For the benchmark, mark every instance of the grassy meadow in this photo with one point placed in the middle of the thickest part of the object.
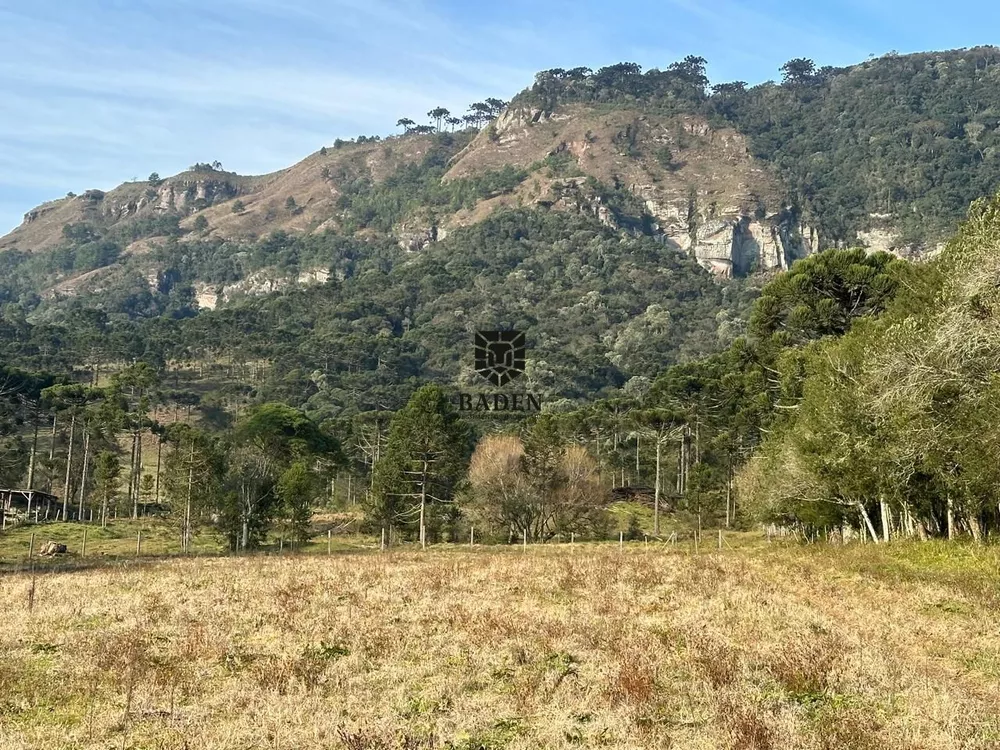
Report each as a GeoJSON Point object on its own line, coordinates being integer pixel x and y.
{"type": "Point", "coordinates": [759, 645]}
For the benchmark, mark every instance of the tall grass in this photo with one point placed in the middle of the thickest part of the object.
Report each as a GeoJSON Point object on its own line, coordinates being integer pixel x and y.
{"type": "Point", "coordinates": [562, 647]}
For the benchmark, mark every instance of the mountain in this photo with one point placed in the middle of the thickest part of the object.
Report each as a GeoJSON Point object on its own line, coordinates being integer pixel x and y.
{"type": "Point", "coordinates": [586, 212]}
{"type": "Point", "coordinates": [703, 191]}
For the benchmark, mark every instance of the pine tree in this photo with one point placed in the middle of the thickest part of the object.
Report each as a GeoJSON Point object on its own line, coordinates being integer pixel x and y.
{"type": "Point", "coordinates": [424, 459]}
{"type": "Point", "coordinates": [297, 489]}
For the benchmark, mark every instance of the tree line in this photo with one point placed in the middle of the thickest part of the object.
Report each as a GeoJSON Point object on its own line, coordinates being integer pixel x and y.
{"type": "Point", "coordinates": [907, 141]}
{"type": "Point", "coordinates": [478, 114]}
{"type": "Point", "coordinates": [860, 399]}
{"type": "Point", "coordinates": [85, 444]}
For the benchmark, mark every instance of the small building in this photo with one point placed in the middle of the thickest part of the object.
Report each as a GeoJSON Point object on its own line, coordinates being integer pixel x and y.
{"type": "Point", "coordinates": [29, 504]}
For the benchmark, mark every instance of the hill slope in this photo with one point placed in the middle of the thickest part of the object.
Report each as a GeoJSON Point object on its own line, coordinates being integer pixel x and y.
{"type": "Point", "coordinates": [581, 200]}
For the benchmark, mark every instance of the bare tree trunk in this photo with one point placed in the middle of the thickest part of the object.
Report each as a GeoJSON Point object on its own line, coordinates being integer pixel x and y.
{"type": "Point", "coordinates": [656, 491]}
{"type": "Point", "coordinates": [52, 446]}
{"type": "Point", "coordinates": [729, 490]}
{"type": "Point", "coordinates": [951, 518]}
{"type": "Point", "coordinates": [884, 510]}
{"type": "Point", "coordinates": [34, 450]}
{"type": "Point", "coordinates": [680, 451]}
{"type": "Point", "coordinates": [868, 521]}
{"type": "Point", "coordinates": [246, 517]}
{"type": "Point", "coordinates": [136, 471]}
{"type": "Point", "coordinates": [637, 480]}
{"type": "Point", "coordinates": [130, 500]}
{"type": "Point", "coordinates": [83, 472]}
{"type": "Point", "coordinates": [69, 464]}
{"type": "Point", "coordinates": [187, 507]}
{"type": "Point", "coordinates": [423, 504]}
{"type": "Point", "coordinates": [975, 528]}
{"type": "Point", "coordinates": [614, 452]}
{"type": "Point", "coordinates": [159, 451]}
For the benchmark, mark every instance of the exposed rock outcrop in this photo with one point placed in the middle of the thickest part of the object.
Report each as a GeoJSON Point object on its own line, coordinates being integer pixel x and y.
{"type": "Point", "coordinates": [265, 281]}
{"type": "Point", "coordinates": [705, 192]}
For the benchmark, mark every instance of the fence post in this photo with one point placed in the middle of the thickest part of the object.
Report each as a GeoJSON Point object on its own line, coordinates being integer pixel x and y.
{"type": "Point", "coordinates": [382, 545]}
{"type": "Point", "coordinates": [621, 540]}
{"type": "Point", "coordinates": [572, 538]}
{"type": "Point", "coordinates": [83, 548]}
{"type": "Point", "coordinates": [329, 541]}
{"type": "Point", "coordinates": [720, 538]}
{"type": "Point", "coordinates": [524, 534]}
{"type": "Point", "coordinates": [138, 543]}
{"type": "Point", "coordinates": [31, 565]}
{"type": "Point", "coordinates": [472, 536]}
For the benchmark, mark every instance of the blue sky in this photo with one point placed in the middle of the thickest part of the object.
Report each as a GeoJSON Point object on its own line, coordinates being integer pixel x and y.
{"type": "Point", "coordinates": [99, 92]}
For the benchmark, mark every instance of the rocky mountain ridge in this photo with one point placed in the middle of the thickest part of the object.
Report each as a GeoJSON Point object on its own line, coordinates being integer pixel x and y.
{"type": "Point", "coordinates": [694, 186]}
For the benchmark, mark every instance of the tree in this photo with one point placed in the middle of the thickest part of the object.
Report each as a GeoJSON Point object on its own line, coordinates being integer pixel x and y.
{"type": "Point", "coordinates": [501, 492]}
{"type": "Point", "coordinates": [661, 426]}
{"type": "Point", "coordinates": [238, 207]}
{"type": "Point", "coordinates": [70, 400]}
{"type": "Point", "coordinates": [424, 460]}
{"type": "Point", "coordinates": [200, 223]}
{"type": "Point", "coordinates": [496, 106]}
{"type": "Point", "coordinates": [135, 388]}
{"type": "Point", "coordinates": [297, 489]}
{"type": "Point", "coordinates": [290, 204]}
{"type": "Point", "coordinates": [481, 112]}
{"type": "Point", "coordinates": [154, 179]}
{"type": "Point", "coordinates": [147, 485]}
{"type": "Point", "coordinates": [405, 123]}
{"type": "Point", "coordinates": [192, 477]}
{"type": "Point", "coordinates": [453, 122]}
{"type": "Point", "coordinates": [823, 294]}
{"type": "Point", "coordinates": [437, 115]}
{"type": "Point", "coordinates": [106, 477]}
{"type": "Point", "coordinates": [265, 444]}
{"type": "Point", "coordinates": [540, 487]}
{"type": "Point", "coordinates": [797, 71]}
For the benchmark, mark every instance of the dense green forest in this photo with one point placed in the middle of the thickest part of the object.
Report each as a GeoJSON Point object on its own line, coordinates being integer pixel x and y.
{"type": "Point", "coordinates": [851, 393]}
{"type": "Point", "coordinates": [893, 427]}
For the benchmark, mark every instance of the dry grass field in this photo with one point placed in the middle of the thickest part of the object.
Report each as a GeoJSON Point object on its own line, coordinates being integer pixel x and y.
{"type": "Point", "coordinates": [762, 646]}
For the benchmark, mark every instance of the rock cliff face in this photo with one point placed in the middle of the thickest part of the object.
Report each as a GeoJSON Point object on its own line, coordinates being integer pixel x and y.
{"type": "Point", "coordinates": [704, 191]}
{"type": "Point", "coordinates": [262, 282]}
{"type": "Point", "coordinates": [741, 245]}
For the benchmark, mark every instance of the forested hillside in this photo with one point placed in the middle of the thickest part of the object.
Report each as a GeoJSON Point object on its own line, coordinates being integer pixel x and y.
{"type": "Point", "coordinates": [901, 141]}
{"type": "Point", "coordinates": [631, 223]}
{"type": "Point", "coordinates": [895, 423]}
